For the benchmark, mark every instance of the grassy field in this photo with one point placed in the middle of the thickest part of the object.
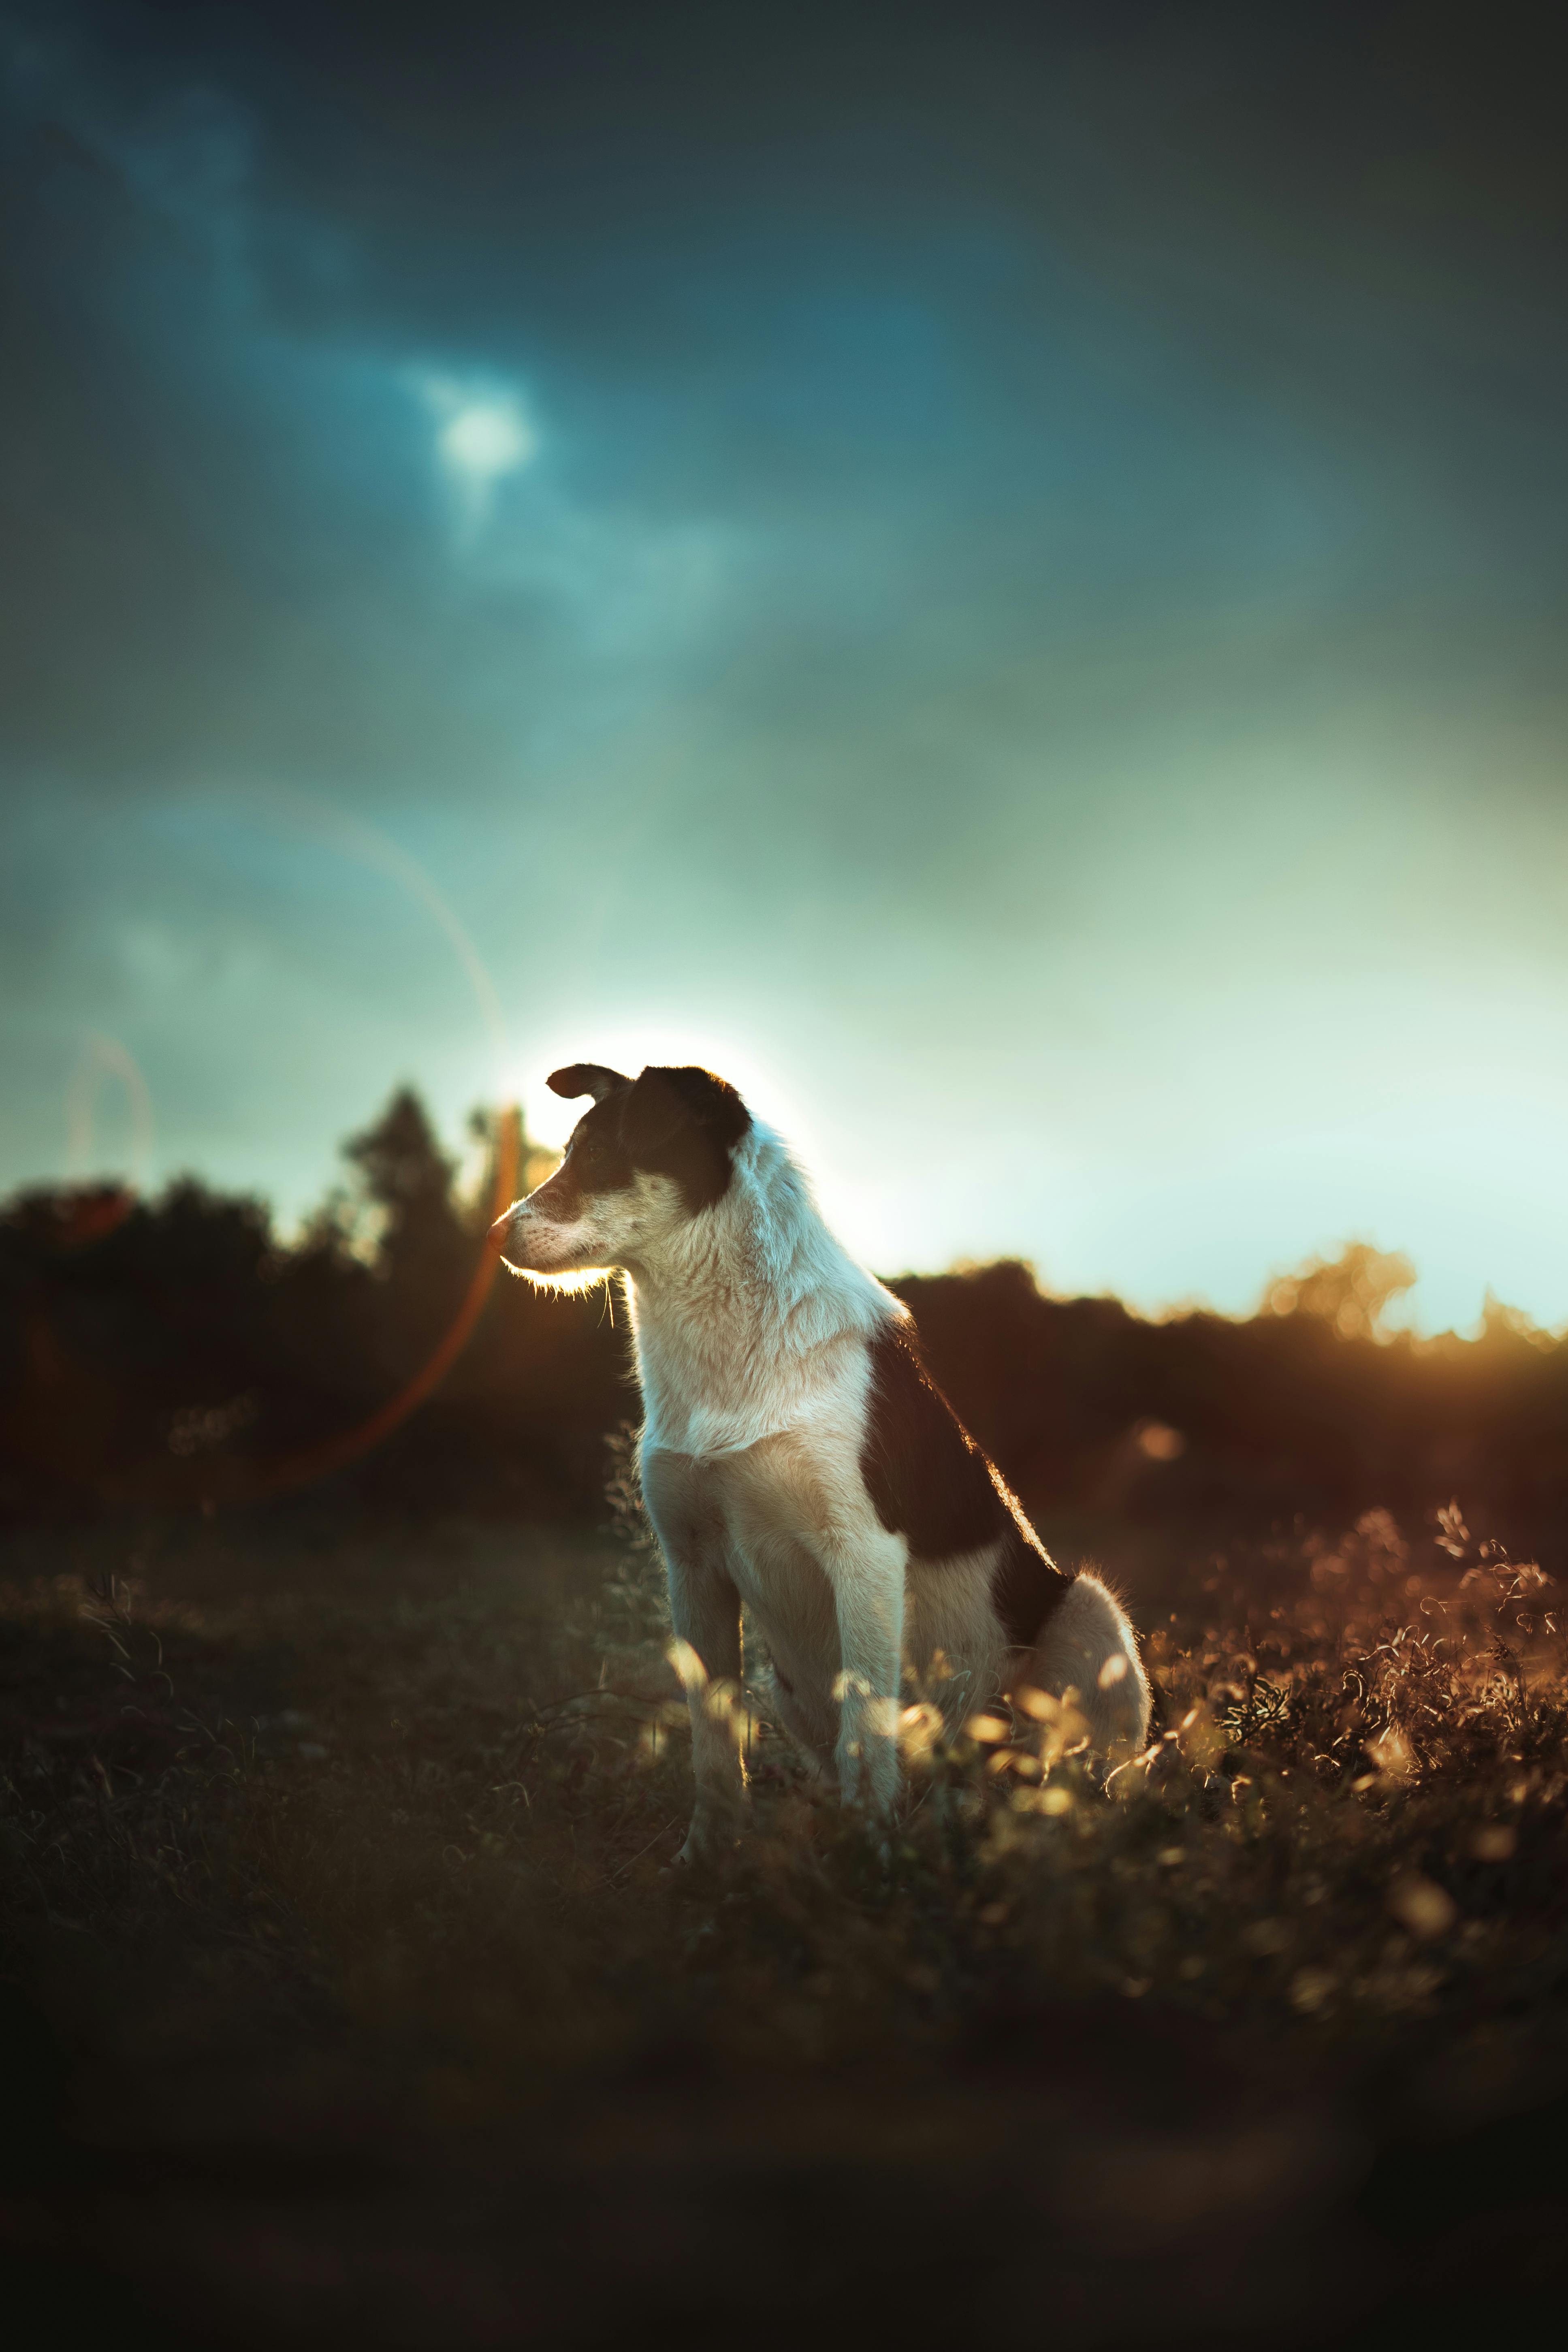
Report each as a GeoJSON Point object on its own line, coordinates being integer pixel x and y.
{"type": "Point", "coordinates": [348, 1996]}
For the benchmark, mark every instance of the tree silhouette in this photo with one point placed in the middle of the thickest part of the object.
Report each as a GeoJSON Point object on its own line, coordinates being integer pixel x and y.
{"type": "Point", "coordinates": [406, 1178]}
{"type": "Point", "coordinates": [167, 1352]}
{"type": "Point", "coordinates": [1351, 1291]}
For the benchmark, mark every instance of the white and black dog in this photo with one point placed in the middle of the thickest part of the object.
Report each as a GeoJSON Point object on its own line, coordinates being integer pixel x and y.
{"type": "Point", "coordinates": [797, 1456]}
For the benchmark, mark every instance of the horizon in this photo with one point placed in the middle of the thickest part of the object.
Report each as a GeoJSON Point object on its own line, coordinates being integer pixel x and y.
{"type": "Point", "coordinates": [469, 1154]}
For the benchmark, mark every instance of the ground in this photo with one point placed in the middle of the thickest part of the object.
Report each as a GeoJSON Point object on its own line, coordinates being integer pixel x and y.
{"type": "Point", "coordinates": [349, 1996]}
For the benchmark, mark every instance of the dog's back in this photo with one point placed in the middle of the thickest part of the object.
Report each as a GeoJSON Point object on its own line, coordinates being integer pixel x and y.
{"type": "Point", "coordinates": [984, 1595]}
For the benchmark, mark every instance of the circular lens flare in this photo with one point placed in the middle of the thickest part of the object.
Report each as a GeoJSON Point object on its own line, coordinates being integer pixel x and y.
{"type": "Point", "coordinates": [103, 1059]}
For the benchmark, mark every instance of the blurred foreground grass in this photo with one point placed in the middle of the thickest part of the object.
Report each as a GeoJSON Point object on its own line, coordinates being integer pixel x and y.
{"type": "Point", "coordinates": [351, 1996]}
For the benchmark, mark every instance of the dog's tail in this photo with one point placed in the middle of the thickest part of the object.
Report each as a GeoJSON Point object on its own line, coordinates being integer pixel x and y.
{"type": "Point", "coordinates": [1086, 1644]}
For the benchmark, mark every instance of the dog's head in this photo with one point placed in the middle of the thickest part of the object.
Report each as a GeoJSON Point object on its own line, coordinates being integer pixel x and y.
{"type": "Point", "coordinates": [653, 1153]}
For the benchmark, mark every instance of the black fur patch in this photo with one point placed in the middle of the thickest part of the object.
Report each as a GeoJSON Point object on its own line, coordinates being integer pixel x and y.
{"type": "Point", "coordinates": [1025, 1589]}
{"type": "Point", "coordinates": [685, 1124]}
{"type": "Point", "coordinates": [924, 1473]}
{"type": "Point", "coordinates": [596, 1161]}
{"type": "Point", "coordinates": [680, 1123]}
{"type": "Point", "coordinates": [930, 1481]}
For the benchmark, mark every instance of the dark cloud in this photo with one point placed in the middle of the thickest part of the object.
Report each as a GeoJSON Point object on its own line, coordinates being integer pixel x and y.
{"type": "Point", "coordinates": [1106, 296]}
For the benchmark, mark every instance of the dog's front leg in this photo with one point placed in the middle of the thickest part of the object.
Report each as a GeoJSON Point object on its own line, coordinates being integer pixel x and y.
{"type": "Point", "coordinates": [705, 1612]}
{"type": "Point", "coordinates": [866, 1572]}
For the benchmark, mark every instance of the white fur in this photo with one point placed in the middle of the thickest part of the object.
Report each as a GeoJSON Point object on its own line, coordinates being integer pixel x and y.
{"type": "Point", "coordinates": [751, 1327]}
{"type": "Point", "coordinates": [1090, 1648]}
{"type": "Point", "coordinates": [747, 1317]}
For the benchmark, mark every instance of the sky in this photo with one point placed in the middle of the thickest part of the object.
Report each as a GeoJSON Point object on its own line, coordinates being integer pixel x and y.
{"type": "Point", "coordinates": [995, 574]}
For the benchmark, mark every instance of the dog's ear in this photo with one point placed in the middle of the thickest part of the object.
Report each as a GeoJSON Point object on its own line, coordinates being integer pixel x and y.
{"type": "Point", "coordinates": [663, 1102]}
{"type": "Point", "coordinates": [585, 1079]}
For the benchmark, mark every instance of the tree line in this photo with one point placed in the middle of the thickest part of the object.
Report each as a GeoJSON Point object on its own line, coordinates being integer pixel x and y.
{"type": "Point", "coordinates": [179, 1353]}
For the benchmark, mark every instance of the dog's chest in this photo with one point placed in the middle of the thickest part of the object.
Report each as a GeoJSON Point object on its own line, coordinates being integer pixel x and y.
{"type": "Point", "coordinates": [725, 1382]}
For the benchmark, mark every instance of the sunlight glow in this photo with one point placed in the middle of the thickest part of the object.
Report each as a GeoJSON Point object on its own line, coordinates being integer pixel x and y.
{"type": "Point", "coordinates": [486, 438]}
{"type": "Point", "coordinates": [567, 1281]}
{"type": "Point", "coordinates": [483, 433]}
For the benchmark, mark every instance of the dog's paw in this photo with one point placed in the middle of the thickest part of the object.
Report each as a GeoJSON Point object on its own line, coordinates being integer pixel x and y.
{"type": "Point", "coordinates": [711, 1840]}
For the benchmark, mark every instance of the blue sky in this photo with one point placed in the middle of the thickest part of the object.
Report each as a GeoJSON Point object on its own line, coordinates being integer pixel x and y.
{"type": "Point", "coordinates": [1003, 586]}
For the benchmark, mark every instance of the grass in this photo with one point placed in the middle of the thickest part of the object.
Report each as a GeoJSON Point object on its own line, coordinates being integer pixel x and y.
{"type": "Point", "coordinates": [353, 1993]}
